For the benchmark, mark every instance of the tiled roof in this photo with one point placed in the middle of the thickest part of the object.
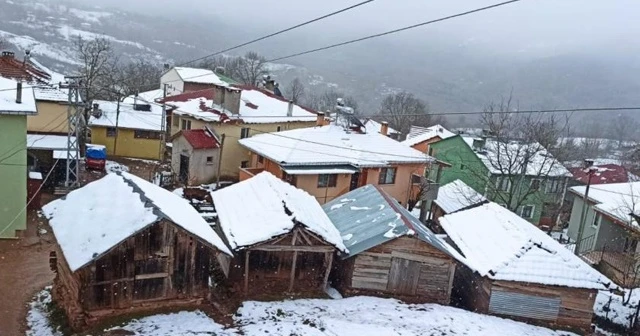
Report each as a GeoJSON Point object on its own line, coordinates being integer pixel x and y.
{"type": "Point", "coordinates": [199, 138]}
{"type": "Point", "coordinates": [419, 134]}
{"type": "Point", "coordinates": [10, 67]}
{"type": "Point", "coordinates": [50, 93]}
{"type": "Point", "coordinates": [608, 173]}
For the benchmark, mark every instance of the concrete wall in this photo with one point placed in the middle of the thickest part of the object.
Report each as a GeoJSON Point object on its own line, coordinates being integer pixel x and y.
{"type": "Point", "coordinates": [424, 146]}
{"type": "Point", "coordinates": [175, 85]}
{"type": "Point", "coordinates": [200, 172]}
{"type": "Point", "coordinates": [13, 174]}
{"type": "Point", "coordinates": [401, 190]}
{"type": "Point", "coordinates": [51, 118]}
{"type": "Point", "coordinates": [127, 144]}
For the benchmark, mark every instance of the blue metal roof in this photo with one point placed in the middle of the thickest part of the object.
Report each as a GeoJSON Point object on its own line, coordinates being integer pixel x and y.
{"type": "Point", "coordinates": [368, 216]}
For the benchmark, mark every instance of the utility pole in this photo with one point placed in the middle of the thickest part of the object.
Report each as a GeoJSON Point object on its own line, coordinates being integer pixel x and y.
{"type": "Point", "coordinates": [219, 161]}
{"type": "Point", "coordinates": [163, 123]}
{"type": "Point", "coordinates": [74, 116]}
{"type": "Point", "coordinates": [583, 212]}
{"type": "Point", "coordinates": [115, 141]}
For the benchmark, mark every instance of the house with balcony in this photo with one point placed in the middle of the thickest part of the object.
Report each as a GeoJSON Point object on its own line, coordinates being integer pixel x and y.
{"type": "Point", "coordinates": [236, 112]}
{"type": "Point", "coordinates": [610, 229]}
{"type": "Point", "coordinates": [328, 161]}
{"type": "Point", "coordinates": [522, 176]}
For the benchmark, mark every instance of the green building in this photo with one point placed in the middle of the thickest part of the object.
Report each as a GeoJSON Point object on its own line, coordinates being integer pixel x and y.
{"type": "Point", "coordinates": [15, 105]}
{"type": "Point", "coordinates": [524, 178]}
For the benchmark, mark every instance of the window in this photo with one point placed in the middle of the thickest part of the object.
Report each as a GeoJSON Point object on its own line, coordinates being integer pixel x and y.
{"type": "Point", "coordinates": [630, 244]}
{"type": "Point", "coordinates": [327, 180]}
{"type": "Point", "coordinates": [553, 186]}
{"type": "Point", "coordinates": [291, 179]}
{"type": "Point", "coordinates": [596, 220]}
{"type": "Point", "coordinates": [244, 133]}
{"type": "Point", "coordinates": [535, 184]}
{"type": "Point", "coordinates": [244, 164]}
{"type": "Point", "coordinates": [430, 151]}
{"type": "Point", "coordinates": [209, 160]}
{"type": "Point", "coordinates": [387, 176]}
{"type": "Point", "coordinates": [279, 128]}
{"type": "Point", "coordinates": [111, 132]}
{"type": "Point", "coordinates": [186, 124]}
{"type": "Point", "coordinates": [527, 211]}
{"type": "Point", "coordinates": [260, 159]}
{"type": "Point", "coordinates": [141, 134]}
{"type": "Point", "coordinates": [462, 167]}
{"type": "Point", "coordinates": [175, 120]}
{"type": "Point", "coordinates": [503, 183]}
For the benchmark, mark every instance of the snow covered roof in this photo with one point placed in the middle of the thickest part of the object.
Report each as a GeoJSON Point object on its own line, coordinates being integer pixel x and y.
{"type": "Point", "coordinates": [496, 154]}
{"type": "Point", "coordinates": [332, 145]}
{"type": "Point", "coordinates": [148, 96]}
{"type": "Point", "coordinates": [51, 93]}
{"type": "Point", "coordinates": [419, 134]}
{"type": "Point", "coordinates": [253, 211]}
{"type": "Point", "coordinates": [93, 219]}
{"type": "Point", "coordinates": [128, 117]}
{"type": "Point", "coordinates": [200, 76]}
{"type": "Point", "coordinates": [618, 200]}
{"type": "Point", "coordinates": [367, 217]}
{"type": "Point", "coordinates": [8, 104]}
{"type": "Point", "coordinates": [609, 173]}
{"type": "Point", "coordinates": [374, 126]}
{"type": "Point", "coordinates": [500, 245]}
{"type": "Point", "coordinates": [46, 141]}
{"type": "Point", "coordinates": [457, 195]}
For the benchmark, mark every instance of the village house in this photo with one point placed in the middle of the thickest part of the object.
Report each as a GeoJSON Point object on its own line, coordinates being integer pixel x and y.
{"type": "Point", "coordinates": [237, 112]}
{"type": "Point", "coordinates": [390, 252]}
{"type": "Point", "coordinates": [599, 174]}
{"type": "Point", "coordinates": [282, 240]}
{"type": "Point", "coordinates": [452, 197]}
{"type": "Point", "coordinates": [179, 80]}
{"type": "Point", "coordinates": [145, 248]}
{"type": "Point", "coordinates": [420, 138]}
{"type": "Point", "coordinates": [328, 161]}
{"type": "Point", "coordinates": [195, 156]}
{"type": "Point", "coordinates": [521, 176]}
{"type": "Point", "coordinates": [16, 104]}
{"type": "Point", "coordinates": [610, 231]}
{"type": "Point", "coordinates": [131, 128]}
{"type": "Point", "coordinates": [382, 127]}
{"type": "Point", "coordinates": [513, 269]}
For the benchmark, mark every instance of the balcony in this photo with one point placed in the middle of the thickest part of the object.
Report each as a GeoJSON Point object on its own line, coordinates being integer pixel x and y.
{"type": "Point", "coordinates": [247, 173]}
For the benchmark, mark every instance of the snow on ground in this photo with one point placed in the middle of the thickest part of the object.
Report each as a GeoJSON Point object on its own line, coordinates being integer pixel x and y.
{"type": "Point", "coordinates": [38, 316]}
{"type": "Point", "coordinates": [342, 317]}
{"type": "Point", "coordinates": [113, 167]}
{"type": "Point", "coordinates": [610, 307]}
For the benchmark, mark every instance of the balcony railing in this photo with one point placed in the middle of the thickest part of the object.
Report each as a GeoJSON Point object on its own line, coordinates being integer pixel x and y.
{"type": "Point", "coordinates": [247, 173]}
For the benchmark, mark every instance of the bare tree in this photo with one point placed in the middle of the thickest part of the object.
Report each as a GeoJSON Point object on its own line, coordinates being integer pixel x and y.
{"type": "Point", "coordinates": [403, 109]}
{"type": "Point", "coordinates": [295, 91]}
{"type": "Point", "coordinates": [137, 77]}
{"type": "Point", "coordinates": [251, 68]}
{"type": "Point", "coordinates": [227, 65]}
{"type": "Point", "coordinates": [624, 128]}
{"type": "Point", "coordinates": [97, 66]}
{"type": "Point", "coordinates": [326, 102]}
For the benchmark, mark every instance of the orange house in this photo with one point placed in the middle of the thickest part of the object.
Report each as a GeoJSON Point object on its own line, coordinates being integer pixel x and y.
{"type": "Point", "coordinates": [420, 138]}
{"type": "Point", "coordinates": [328, 161]}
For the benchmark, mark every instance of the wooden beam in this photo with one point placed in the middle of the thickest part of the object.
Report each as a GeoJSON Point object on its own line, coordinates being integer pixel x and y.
{"type": "Point", "coordinates": [419, 258]}
{"type": "Point", "coordinates": [246, 272]}
{"type": "Point", "coordinates": [318, 249]}
{"type": "Point", "coordinates": [329, 255]}
{"type": "Point", "coordinates": [151, 276]}
{"type": "Point", "coordinates": [305, 238]}
{"type": "Point", "coordinates": [293, 271]}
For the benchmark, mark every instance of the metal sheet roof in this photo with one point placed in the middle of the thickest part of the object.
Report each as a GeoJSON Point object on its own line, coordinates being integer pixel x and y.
{"type": "Point", "coordinates": [368, 216]}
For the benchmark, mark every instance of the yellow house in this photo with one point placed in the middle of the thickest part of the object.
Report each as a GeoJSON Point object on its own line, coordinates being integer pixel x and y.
{"type": "Point", "coordinates": [328, 161]}
{"type": "Point", "coordinates": [52, 104]}
{"type": "Point", "coordinates": [237, 112]}
{"type": "Point", "coordinates": [128, 129]}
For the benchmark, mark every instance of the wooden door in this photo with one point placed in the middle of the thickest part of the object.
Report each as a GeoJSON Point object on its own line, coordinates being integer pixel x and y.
{"type": "Point", "coordinates": [184, 169]}
{"type": "Point", "coordinates": [355, 181]}
{"type": "Point", "coordinates": [403, 276]}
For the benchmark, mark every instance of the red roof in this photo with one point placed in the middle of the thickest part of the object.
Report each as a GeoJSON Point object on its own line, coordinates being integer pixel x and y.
{"type": "Point", "coordinates": [12, 68]}
{"type": "Point", "coordinates": [608, 173]}
{"type": "Point", "coordinates": [183, 97]}
{"type": "Point", "coordinates": [199, 139]}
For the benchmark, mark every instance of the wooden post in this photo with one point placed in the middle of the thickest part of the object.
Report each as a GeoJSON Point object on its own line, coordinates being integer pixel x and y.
{"type": "Point", "coordinates": [326, 274]}
{"type": "Point", "coordinates": [246, 272]}
{"type": "Point", "coordinates": [293, 271]}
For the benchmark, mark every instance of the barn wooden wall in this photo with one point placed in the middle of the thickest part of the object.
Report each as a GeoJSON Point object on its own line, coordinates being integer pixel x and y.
{"type": "Point", "coordinates": [404, 267]}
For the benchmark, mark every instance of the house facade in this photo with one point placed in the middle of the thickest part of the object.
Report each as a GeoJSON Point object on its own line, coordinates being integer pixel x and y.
{"type": "Point", "coordinates": [328, 161]}
{"type": "Point", "coordinates": [132, 128]}
{"type": "Point", "coordinates": [239, 113]}
{"type": "Point", "coordinates": [533, 187]}
{"type": "Point", "coordinates": [420, 138]}
{"type": "Point", "coordinates": [195, 156]}
{"type": "Point", "coordinates": [183, 79]}
{"type": "Point", "coordinates": [16, 105]}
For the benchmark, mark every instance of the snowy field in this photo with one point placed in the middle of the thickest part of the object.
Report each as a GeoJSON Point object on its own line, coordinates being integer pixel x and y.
{"type": "Point", "coordinates": [611, 307]}
{"type": "Point", "coordinates": [352, 316]}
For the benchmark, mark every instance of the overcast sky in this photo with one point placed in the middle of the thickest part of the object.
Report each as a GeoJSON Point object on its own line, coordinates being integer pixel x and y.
{"type": "Point", "coordinates": [529, 26]}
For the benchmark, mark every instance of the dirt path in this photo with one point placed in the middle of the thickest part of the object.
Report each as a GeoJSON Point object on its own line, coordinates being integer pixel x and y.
{"type": "Point", "coordinates": [24, 270]}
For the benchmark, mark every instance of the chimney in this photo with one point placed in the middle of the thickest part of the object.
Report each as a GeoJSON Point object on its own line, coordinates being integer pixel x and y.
{"type": "Point", "coordinates": [27, 54]}
{"type": "Point", "coordinates": [384, 129]}
{"type": "Point", "coordinates": [19, 93]}
{"type": "Point", "coordinates": [167, 66]}
{"type": "Point", "coordinates": [478, 143]}
{"type": "Point", "coordinates": [96, 106]}
{"type": "Point", "coordinates": [290, 109]}
{"type": "Point", "coordinates": [320, 119]}
{"type": "Point", "coordinates": [219, 70]}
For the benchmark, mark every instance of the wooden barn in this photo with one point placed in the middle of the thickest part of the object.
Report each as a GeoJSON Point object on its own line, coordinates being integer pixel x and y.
{"type": "Point", "coordinates": [126, 245]}
{"type": "Point", "coordinates": [513, 269]}
{"type": "Point", "coordinates": [390, 252]}
{"type": "Point", "coordinates": [452, 197]}
{"type": "Point", "coordinates": [283, 241]}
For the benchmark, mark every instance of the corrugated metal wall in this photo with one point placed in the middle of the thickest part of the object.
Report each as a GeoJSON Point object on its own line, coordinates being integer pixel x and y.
{"type": "Point", "coordinates": [522, 305]}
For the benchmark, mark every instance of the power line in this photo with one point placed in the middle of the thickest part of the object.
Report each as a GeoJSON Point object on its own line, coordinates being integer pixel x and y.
{"type": "Point", "coordinates": [279, 32]}
{"type": "Point", "coordinates": [394, 31]}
